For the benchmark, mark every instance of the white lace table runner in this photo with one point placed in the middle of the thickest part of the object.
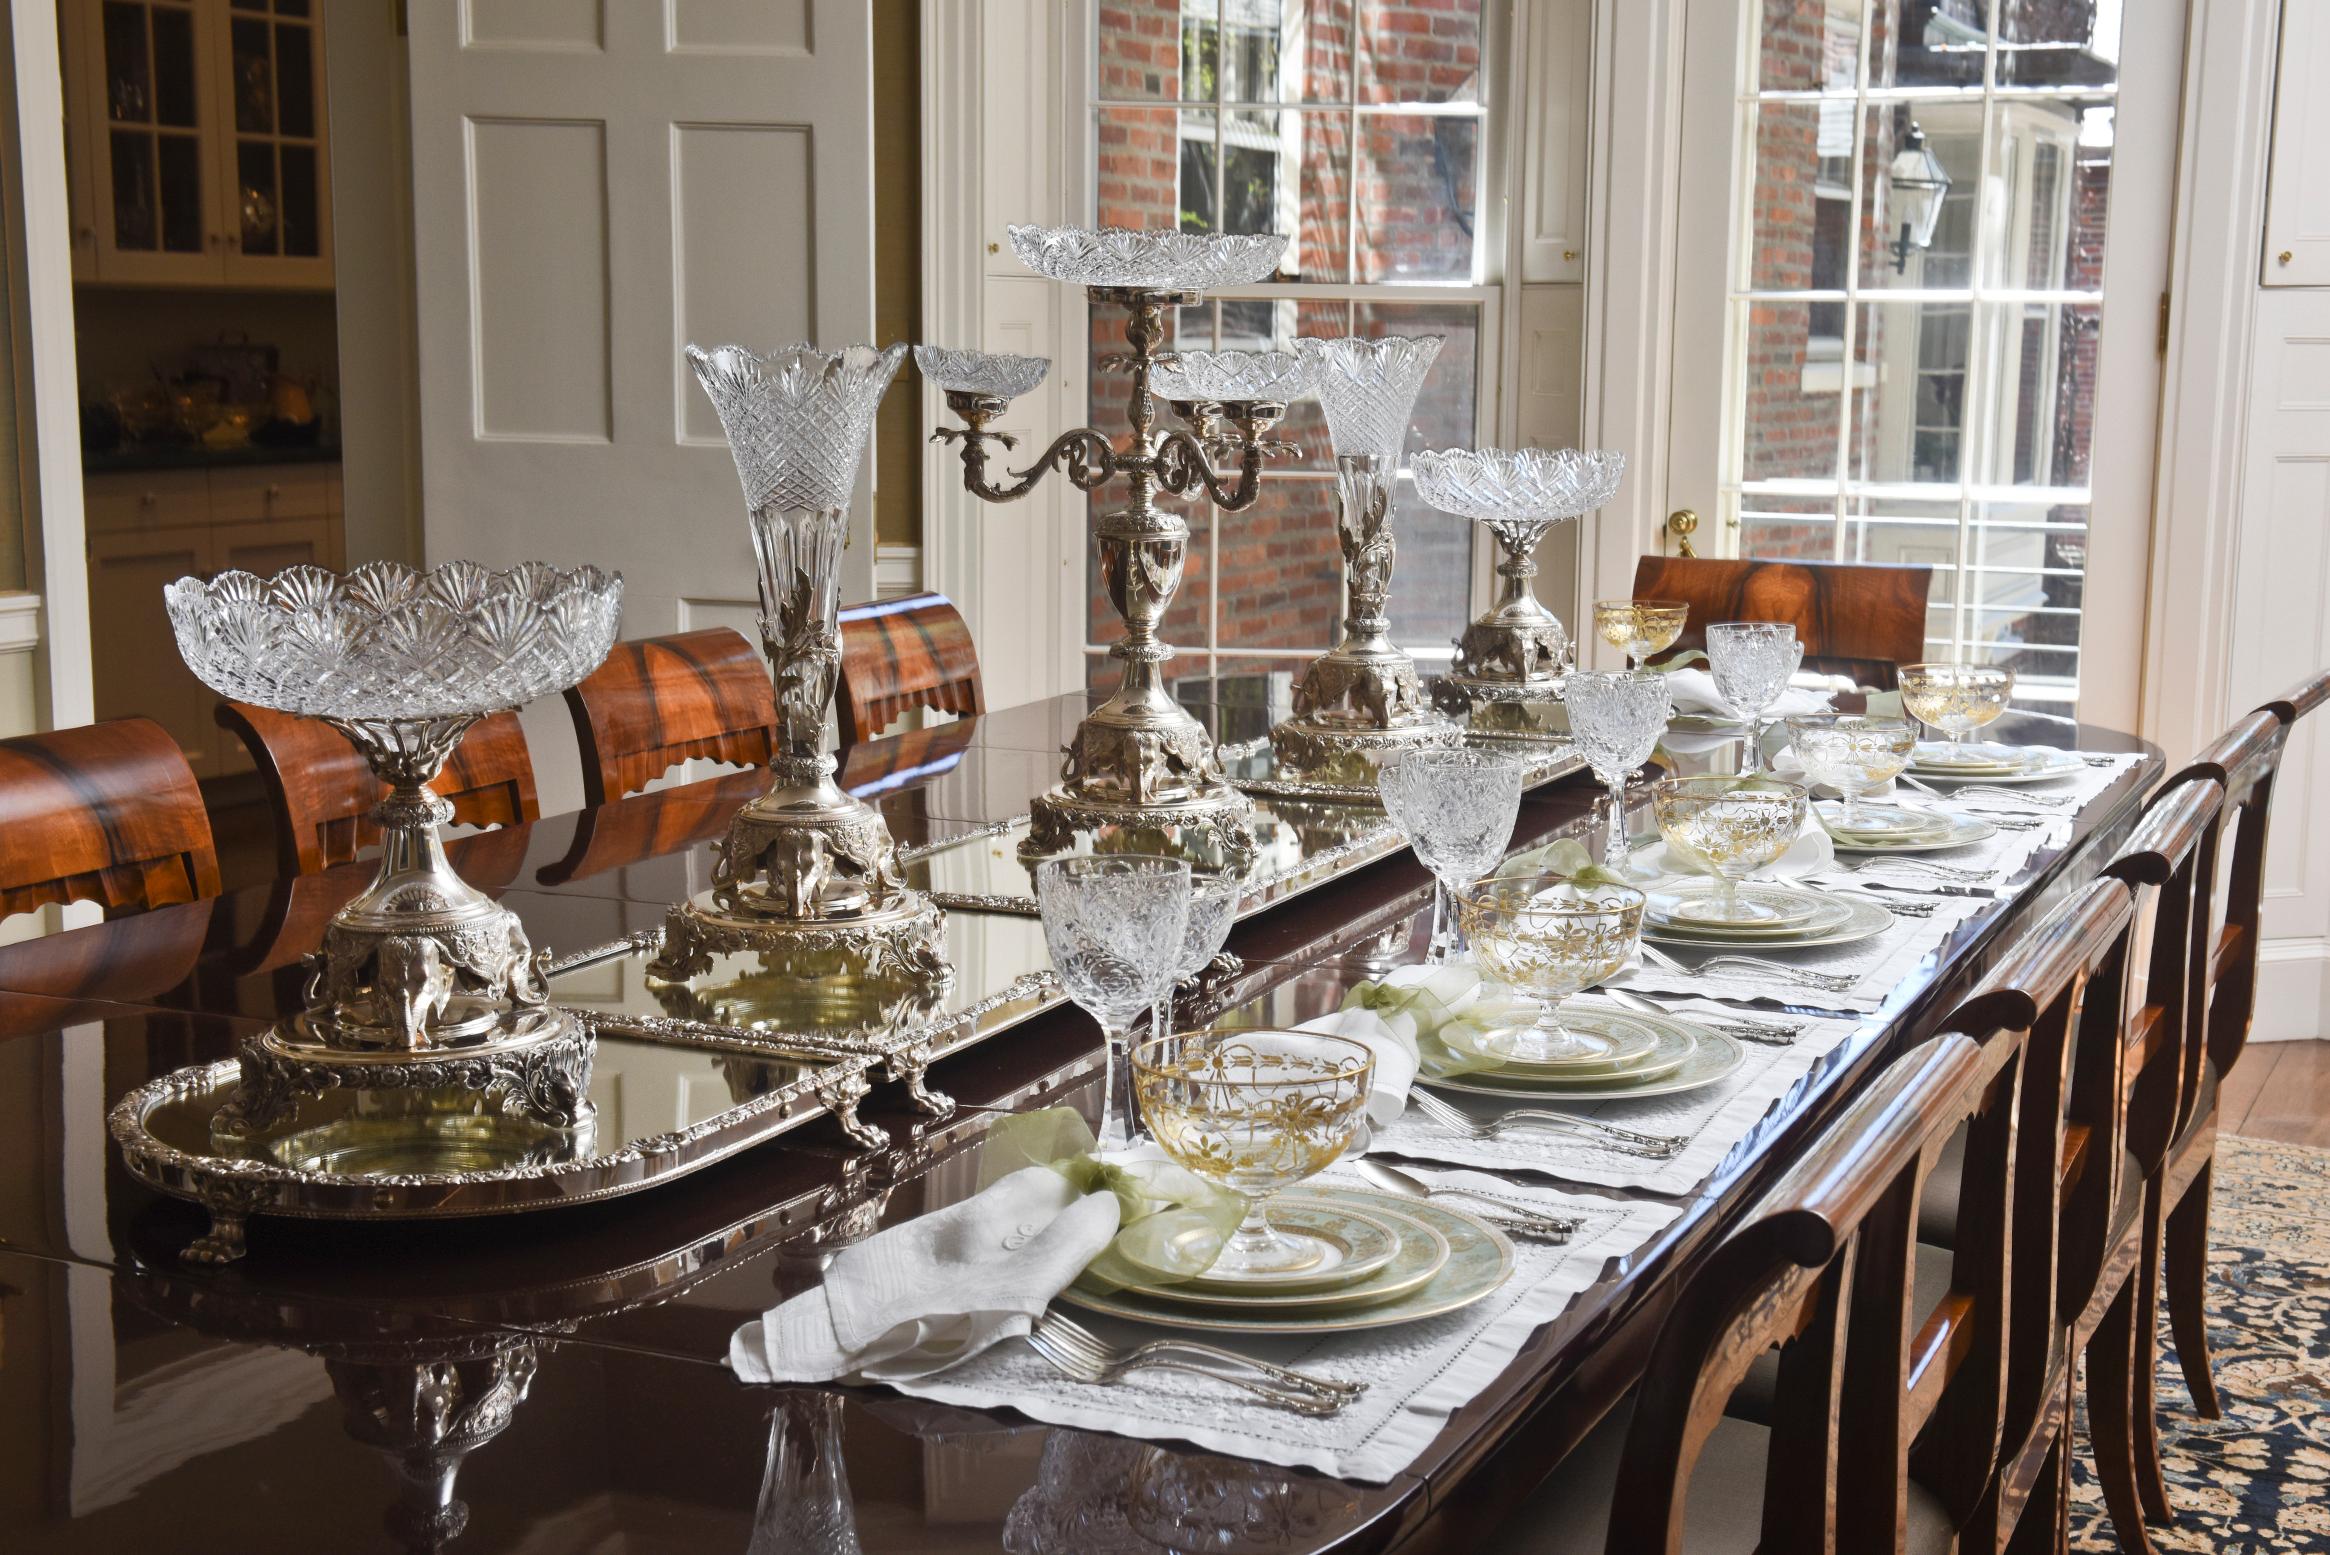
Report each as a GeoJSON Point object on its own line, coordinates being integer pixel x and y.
{"type": "Point", "coordinates": [1714, 1118]}
{"type": "Point", "coordinates": [2000, 859]}
{"type": "Point", "coordinates": [1417, 1374]}
{"type": "Point", "coordinates": [1876, 965]}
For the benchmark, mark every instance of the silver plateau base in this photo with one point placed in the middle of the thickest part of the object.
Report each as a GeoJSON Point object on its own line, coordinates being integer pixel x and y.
{"type": "Point", "coordinates": [1348, 754]}
{"type": "Point", "coordinates": [1212, 827]}
{"type": "Point", "coordinates": [904, 940]}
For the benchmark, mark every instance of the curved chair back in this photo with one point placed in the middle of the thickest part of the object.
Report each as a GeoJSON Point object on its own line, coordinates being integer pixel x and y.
{"type": "Point", "coordinates": [898, 654]}
{"type": "Point", "coordinates": [2170, 860]}
{"type": "Point", "coordinates": [660, 701]}
{"type": "Point", "coordinates": [1860, 619]}
{"type": "Point", "coordinates": [108, 812]}
{"type": "Point", "coordinates": [323, 794]}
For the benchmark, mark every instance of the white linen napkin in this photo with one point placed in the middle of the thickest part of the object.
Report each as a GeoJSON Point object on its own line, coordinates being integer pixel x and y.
{"type": "Point", "coordinates": [920, 1297]}
{"type": "Point", "coordinates": [1693, 691]}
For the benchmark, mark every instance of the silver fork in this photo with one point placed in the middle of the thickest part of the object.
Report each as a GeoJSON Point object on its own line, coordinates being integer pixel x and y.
{"type": "Point", "coordinates": [1658, 1147]}
{"type": "Point", "coordinates": [1826, 982]}
{"type": "Point", "coordinates": [1769, 1033]}
{"type": "Point", "coordinates": [1992, 796]}
{"type": "Point", "coordinates": [1088, 1360]}
{"type": "Point", "coordinates": [1898, 905]}
{"type": "Point", "coordinates": [1908, 861]}
{"type": "Point", "coordinates": [1074, 1333]}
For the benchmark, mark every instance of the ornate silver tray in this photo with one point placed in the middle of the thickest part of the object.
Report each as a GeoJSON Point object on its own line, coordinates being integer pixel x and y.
{"type": "Point", "coordinates": [1254, 766]}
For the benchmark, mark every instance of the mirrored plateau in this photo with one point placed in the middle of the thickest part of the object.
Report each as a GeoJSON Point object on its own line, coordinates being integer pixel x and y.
{"type": "Point", "coordinates": [1256, 768]}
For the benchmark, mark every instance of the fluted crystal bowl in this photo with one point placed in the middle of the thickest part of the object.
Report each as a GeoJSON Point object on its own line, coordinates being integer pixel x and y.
{"type": "Point", "coordinates": [980, 372]}
{"type": "Point", "coordinates": [1163, 260]}
{"type": "Point", "coordinates": [1518, 485]}
{"type": "Point", "coordinates": [383, 641]}
{"type": "Point", "coordinates": [1368, 388]}
{"type": "Point", "coordinates": [1225, 376]}
{"type": "Point", "coordinates": [797, 418]}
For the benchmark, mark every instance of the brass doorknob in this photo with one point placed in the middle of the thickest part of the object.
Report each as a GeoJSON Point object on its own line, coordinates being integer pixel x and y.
{"type": "Point", "coordinates": [1682, 523]}
{"type": "Point", "coordinates": [2285, 256]}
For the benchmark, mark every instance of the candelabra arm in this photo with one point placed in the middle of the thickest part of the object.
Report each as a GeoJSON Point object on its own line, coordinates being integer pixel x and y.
{"type": "Point", "coordinates": [1084, 456]}
{"type": "Point", "coordinates": [1182, 468]}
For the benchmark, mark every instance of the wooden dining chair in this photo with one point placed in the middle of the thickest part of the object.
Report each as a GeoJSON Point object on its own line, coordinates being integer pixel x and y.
{"type": "Point", "coordinates": [108, 812]}
{"type": "Point", "coordinates": [1862, 619]}
{"type": "Point", "coordinates": [660, 701]}
{"type": "Point", "coordinates": [1880, 1342]}
{"type": "Point", "coordinates": [323, 793]}
{"type": "Point", "coordinates": [898, 654]}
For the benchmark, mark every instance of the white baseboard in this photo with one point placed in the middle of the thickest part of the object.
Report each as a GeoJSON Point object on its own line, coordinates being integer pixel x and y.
{"type": "Point", "coordinates": [2293, 991]}
{"type": "Point", "coordinates": [897, 570]}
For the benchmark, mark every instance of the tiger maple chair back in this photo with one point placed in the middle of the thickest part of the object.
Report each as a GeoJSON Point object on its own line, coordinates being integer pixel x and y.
{"type": "Point", "coordinates": [898, 654]}
{"type": "Point", "coordinates": [659, 701]}
{"type": "Point", "coordinates": [1862, 619]}
{"type": "Point", "coordinates": [106, 812]}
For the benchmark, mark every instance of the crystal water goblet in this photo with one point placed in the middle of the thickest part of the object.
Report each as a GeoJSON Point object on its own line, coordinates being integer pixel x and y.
{"type": "Point", "coordinates": [1955, 698]}
{"type": "Point", "coordinates": [1257, 1112]}
{"type": "Point", "coordinates": [1751, 662]}
{"type": "Point", "coordinates": [1852, 754]}
{"type": "Point", "coordinates": [1214, 895]}
{"type": "Point", "coordinates": [1639, 628]}
{"type": "Point", "coordinates": [1733, 826]}
{"type": "Point", "coordinates": [1550, 939]}
{"type": "Point", "coordinates": [1616, 718]}
{"type": "Point", "coordinates": [1113, 924]}
{"type": "Point", "coordinates": [1456, 806]}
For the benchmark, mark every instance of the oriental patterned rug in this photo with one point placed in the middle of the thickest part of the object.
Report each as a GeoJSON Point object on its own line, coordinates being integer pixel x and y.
{"type": "Point", "coordinates": [2256, 1482]}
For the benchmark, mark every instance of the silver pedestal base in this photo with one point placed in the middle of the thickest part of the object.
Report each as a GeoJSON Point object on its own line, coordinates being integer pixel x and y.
{"type": "Point", "coordinates": [1212, 827]}
{"type": "Point", "coordinates": [1348, 754]}
{"type": "Point", "coordinates": [904, 940]}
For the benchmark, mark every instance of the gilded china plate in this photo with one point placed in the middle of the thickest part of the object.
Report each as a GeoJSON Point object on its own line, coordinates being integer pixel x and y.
{"type": "Point", "coordinates": [1479, 1260]}
{"type": "Point", "coordinates": [1689, 906]}
{"type": "Point", "coordinates": [1352, 1247]}
{"type": "Point", "coordinates": [1422, 1253]}
{"type": "Point", "coordinates": [1632, 1042]}
{"type": "Point", "coordinates": [1963, 830]}
{"type": "Point", "coordinates": [1846, 920]}
{"type": "Point", "coordinates": [1881, 823]}
{"type": "Point", "coordinates": [1712, 1056]}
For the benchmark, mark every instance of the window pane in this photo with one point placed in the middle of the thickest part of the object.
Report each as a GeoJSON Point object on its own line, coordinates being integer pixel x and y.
{"type": "Point", "coordinates": [1909, 399]}
{"type": "Point", "coordinates": [1913, 533]}
{"type": "Point", "coordinates": [2047, 43]}
{"type": "Point", "coordinates": [1412, 51]}
{"type": "Point", "coordinates": [1138, 48]}
{"type": "Point", "coordinates": [1155, 168]}
{"type": "Point", "coordinates": [1253, 325]}
{"type": "Point", "coordinates": [1417, 189]}
{"type": "Point", "coordinates": [2051, 162]}
{"type": "Point", "coordinates": [129, 97]}
{"type": "Point", "coordinates": [1291, 172]}
{"type": "Point", "coordinates": [1253, 53]}
{"type": "Point", "coordinates": [1791, 528]}
{"type": "Point", "coordinates": [1809, 45]}
{"type": "Point", "coordinates": [1281, 569]}
{"type": "Point", "coordinates": [1803, 206]}
{"type": "Point", "coordinates": [2039, 420]}
{"type": "Point", "coordinates": [1432, 578]}
{"type": "Point", "coordinates": [1890, 257]}
{"type": "Point", "coordinates": [173, 66]}
{"type": "Point", "coordinates": [1927, 43]}
{"type": "Point", "coordinates": [1792, 376]}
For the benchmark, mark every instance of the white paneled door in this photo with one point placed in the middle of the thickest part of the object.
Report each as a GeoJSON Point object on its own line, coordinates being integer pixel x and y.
{"type": "Point", "coordinates": [595, 184]}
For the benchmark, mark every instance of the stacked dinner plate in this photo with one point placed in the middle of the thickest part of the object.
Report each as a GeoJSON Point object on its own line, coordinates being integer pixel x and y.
{"type": "Point", "coordinates": [1985, 763]}
{"type": "Point", "coordinates": [1885, 828]}
{"type": "Point", "coordinates": [1789, 917]}
{"type": "Point", "coordinates": [1634, 1055]}
{"type": "Point", "coordinates": [1387, 1260]}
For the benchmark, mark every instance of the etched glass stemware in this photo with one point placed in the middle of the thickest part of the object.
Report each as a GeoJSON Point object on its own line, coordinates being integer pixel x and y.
{"type": "Point", "coordinates": [1214, 895]}
{"type": "Point", "coordinates": [1956, 699]}
{"type": "Point", "coordinates": [1751, 662]}
{"type": "Point", "coordinates": [1456, 806]}
{"type": "Point", "coordinates": [1735, 827]}
{"type": "Point", "coordinates": [1616, 718]}
{"type": "Point", "coordinates": [1551, 939]}
{"type": "Point", "coordinates": [1852, 755]}
{"type": "Point", "coordinates": [1256, 1111]}
{"type": "Point", "coordinates": [1114, 924]}
{"type": "Point", "coordinates": [1518, 494]}
{"type": "Point", "coordinates": [1639, 628]}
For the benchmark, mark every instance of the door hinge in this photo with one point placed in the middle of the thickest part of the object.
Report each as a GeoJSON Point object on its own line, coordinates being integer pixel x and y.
{"type": "Point", "coordinates": [2160, 344]}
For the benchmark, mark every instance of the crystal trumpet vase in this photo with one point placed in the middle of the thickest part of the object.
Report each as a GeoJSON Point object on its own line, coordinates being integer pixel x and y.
{"type": "Point", "coordinates": [1363, 699]}
{"type": "Point", "coordinates": [1517, 650]}
{"type": "Point", "coordinates": [806, 871]}
{"type": "Point", "coordinates": [421, 971]}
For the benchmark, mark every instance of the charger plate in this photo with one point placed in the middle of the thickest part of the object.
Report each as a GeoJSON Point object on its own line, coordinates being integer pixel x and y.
{"type": "Point", "coordinates": [1635, 1044]}
{"type": "Point", "coordinates": [1356, 1247]}
{"type": "Point", "coordinates": [1479, 1260]}
{"type": "Point", "coordinates": [2049, 767]}
{"type": "Point", "coordinates": [1423, 1252]}
{"type": "Point", "coordinates": [1963, 830]}
{"type": "Point", "coordinates": [1847, 921]}
{"type": "Point", "coordinates": [1712, 1057]}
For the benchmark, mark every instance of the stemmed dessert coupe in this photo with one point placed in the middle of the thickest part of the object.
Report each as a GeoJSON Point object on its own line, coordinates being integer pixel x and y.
{"type": "Point", "coordinates": [1616, 718]}
{"type": "Point", "coordinates": [1854, 755]}
{"type": "Point", "coordinates": [1519, 649]}
{"type": "Point", "coordinates": [1734, 826]}
{"type": "Point", "coordinates": [1751, 662]}
{"type": "Point", "coordinates": [1551, 939]}
{"type": "Point", "coordinates": [1456, 806]}
{"type": "Point", "coordinates": [1113, 923]}
{"type": "Point", "coordinates": [1956, 699]}
{"type": "Point", "coordinates": [1639, 628]}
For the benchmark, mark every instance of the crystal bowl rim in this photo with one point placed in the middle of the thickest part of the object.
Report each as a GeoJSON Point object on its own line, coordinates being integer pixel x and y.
{"type": "Point", "coordinates": [964, 357]}
{"type": "Point", "coordinates": [1443, 467]}
{"type": "Point", "coordinates": [1282, 365]}
{"type": "Point", "coordinates": [1032, 242]}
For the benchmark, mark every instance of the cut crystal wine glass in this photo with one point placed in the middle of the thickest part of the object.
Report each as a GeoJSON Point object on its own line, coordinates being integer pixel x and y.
{"type": "Point", "coordinates": [1456, 806]}
{"type": "Point", "coordinates": [1751, 662]}
{"type": "Point", "coordinates": [983, 373]}
{"type": "Point", "coordinates": [1616, 718]}
{"type": "Point", "coordinates": [1114, 925]}
{"type": "Point", "coordinates": [1256, 1111]}
{"type": "Point", "coordinates": [1517, 494]}
{"type": "Point", "coordinates": [1214, 895]}
{"type": "Point", "coordinates": [1550, 939]}
{"type": "Point", "coordinates": [1853, 755]}
{"type": "Point", "coordinates": [1956, 699]}
{"type": "Point", "coordinates": [1735, 827]}
{"type": "Point", "coordinates": [1165, 259]}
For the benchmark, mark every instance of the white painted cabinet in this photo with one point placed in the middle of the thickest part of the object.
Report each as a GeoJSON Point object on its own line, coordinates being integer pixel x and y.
{"type": "Point", "coordinates": [2297, 201]}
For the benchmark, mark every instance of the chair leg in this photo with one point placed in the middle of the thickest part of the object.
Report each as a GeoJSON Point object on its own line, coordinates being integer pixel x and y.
{"type": "Point", "coordinates": [2144, 1371]}
{"type": "Point", "coordinates": [2188, 1289]}
{"type": "Point", "coordinates": [2110, 1434]}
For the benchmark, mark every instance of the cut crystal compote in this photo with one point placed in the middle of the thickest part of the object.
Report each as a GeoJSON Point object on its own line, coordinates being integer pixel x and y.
{"type": "Point", "coordinates": [985, 374]}
{"type": "Point", "coordinates": [806, 871]}
{"type": "Point", "coordinates": [424, 981]}
{"type": "Point", "coordinates": [1165, 259]}
{"type": "Point", "coordinates": [1516, 650]}
{"type": "Point", "coordinates": [1229, 377]}
{"type": "Point", "coordinates": [1363, 699]}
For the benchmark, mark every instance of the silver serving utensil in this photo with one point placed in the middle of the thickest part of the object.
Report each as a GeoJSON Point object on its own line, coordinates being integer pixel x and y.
{"type": "Point", "coordinates": [1769, 1033]}
{"type": "Point", "coordinates": [1912, 861]}
{"type": "Point", "coordinates": [1826, 982]}
{"type": "Point", "coordinates": [1658, 1147]}
{"type": "Point", "coordinates": [1899, 906]}
{"type": "Point", "coordinates": [1988, 796]}
{"type": "Point", "coordinates": [1076, 1352]}
{"type": "Point", "coordinates": [1508, 1215]}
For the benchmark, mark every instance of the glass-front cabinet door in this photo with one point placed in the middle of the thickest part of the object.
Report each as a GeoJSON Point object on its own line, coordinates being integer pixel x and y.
{"type": "Point", "coordinates": [199, 130]}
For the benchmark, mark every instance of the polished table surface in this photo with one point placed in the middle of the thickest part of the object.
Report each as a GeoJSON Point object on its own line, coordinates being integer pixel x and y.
{"type": "Point", "coordinates": [552, 1382]}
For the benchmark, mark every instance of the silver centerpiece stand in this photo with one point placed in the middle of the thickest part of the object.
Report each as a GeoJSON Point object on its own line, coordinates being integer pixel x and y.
{"type": "Point", "coordinates": [1518, 651]}
{"type": "Point", "coordinates": [1139, 769]}
{"type": "Point", "coordinates": [1363, 699]}
{"type": "Point", "coordinates": [426, 995]}
{"type": "Point", "coordinates": [807, 874]}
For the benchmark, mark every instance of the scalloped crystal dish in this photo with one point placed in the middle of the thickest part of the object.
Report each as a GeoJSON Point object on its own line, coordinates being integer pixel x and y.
{"type": "Point", "coordinates": [1224, 377]}
{"type": "Point", "coordinates": [1163, 260]}
{"type": "Point", "coordinates": [384, 641]}
{"type": "Point", "coordinates": [1368, 388]}
{"type": "Point", "coordinates": [1513, 485]}
{"type": "Point", "coordinates": [797, 418]}
{"type": "Point", "coordinates": [980, 372]}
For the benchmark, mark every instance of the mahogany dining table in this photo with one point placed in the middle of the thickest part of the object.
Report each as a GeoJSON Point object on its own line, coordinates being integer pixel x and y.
{"type": "Point", "coordinates": [554, 1381]}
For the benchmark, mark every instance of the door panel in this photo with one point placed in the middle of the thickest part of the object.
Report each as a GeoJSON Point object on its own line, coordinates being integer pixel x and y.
{"type": "Point", "coordinates": [134, 661]}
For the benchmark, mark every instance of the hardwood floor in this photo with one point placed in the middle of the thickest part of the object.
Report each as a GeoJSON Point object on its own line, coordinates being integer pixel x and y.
{"type": "Point", "coordinates": [2280, 1090]}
